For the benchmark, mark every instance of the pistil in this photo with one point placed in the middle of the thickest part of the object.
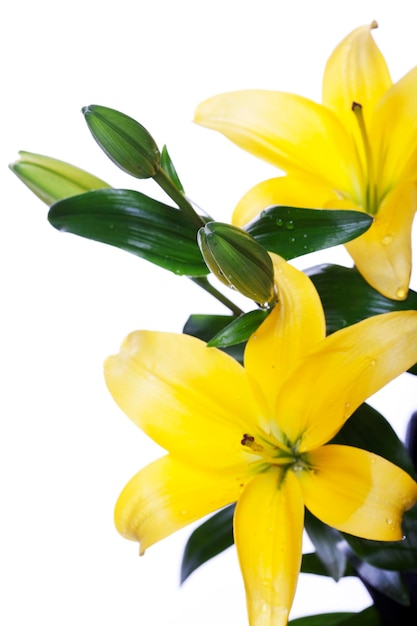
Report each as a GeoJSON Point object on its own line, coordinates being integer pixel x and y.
{"type": "Point", "coordinates": [371, 195]}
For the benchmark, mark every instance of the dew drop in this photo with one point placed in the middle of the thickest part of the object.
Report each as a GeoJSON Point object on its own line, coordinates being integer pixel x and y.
{"type": "Point", "coordinates": [305, 235]}
{"type": "Point", "coordinates": [279, 222]}
{"type": "Point", "coordinates": [373, 363]}
{"type": "Point", "coordinates": [388, 521]}
{"type": "Point", "coordinates": [289, 225]}
{"type": "Point", "coordinates": [387, 240]}
{"type": "Point", "coordinates": [292, 239]}
{"type": "Point", "coordinates": [401, 293]}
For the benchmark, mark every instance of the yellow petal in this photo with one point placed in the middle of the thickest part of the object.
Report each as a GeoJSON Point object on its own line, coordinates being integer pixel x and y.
{"type": "Point", "coordinates": [192, 400]}
{"type": "Point", "coordinates": [285, 191]}
{"type": "Point", "coordinates": [294, 327]}
{"type": "Point", "coordinates": [383, 254]}
{"type": "Point", "coordinates": [291, 132]}
{"type": "Point", "coordinates": [355, 72]}
{"type": "Point", "coordinates": [268, 535]}
{"type": "Point", "coordinates": [341, 373]}
{"type": "Point", "coordinates": [357, 492]}
{"type": "Point", "coordinates": [393, 133]}
{"type": "Point", "coordinates": [167, 495]}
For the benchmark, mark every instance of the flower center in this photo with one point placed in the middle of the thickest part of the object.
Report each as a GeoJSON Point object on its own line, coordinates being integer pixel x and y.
{"type": "Point", "coordinates": [370, 187]}
{"type": "Point", "coordinates": [271, 453]}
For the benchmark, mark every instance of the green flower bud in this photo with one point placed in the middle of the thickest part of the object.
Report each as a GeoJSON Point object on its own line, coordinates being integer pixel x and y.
{"type": "Point", "coordinates": [52, 180]}
{"type": "Point", "coordinates": [126, 142]}
{"type": "Point", "coordinates": [238, 261]}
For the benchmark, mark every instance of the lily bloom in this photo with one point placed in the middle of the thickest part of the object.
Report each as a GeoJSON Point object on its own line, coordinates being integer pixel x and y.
{"type": "Point", "coordinates": [257, 434]}
{"type": "Point", "coordinates": [358, 150]}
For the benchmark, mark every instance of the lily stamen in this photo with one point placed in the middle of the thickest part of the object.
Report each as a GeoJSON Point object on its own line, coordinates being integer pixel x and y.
{"type": "Point", "coordinates": [249, 442]}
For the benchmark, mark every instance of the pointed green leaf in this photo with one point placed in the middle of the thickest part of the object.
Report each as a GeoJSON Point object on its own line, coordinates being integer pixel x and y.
{"type": "Point", "coordinates": [347, 298]}
{"type": "Point", "coordinates": [205, 327]}
{"type": "Point", "coordinates": [292, 232]}
{"type": "Point", "coordinates": [240, 329]}
{"type": "Point", "coordinates": [388, 583]}
{"type": "Point", "coordinates": [133, 222]}
{"type": "Point", "coordinates": [168, 166]}
{"type": "Point", "coordinates": [368, 617]}
{"type": "Point", "coordinates": [326, 539]}
{"type": "Point", "coordinates": [126, 142]}
{"type": "Point", "coordinates": [208, 540]}
{"type": "Point", "coordinates": [311, 564]}
{"type": "Point", "coordinates": [52, 180]}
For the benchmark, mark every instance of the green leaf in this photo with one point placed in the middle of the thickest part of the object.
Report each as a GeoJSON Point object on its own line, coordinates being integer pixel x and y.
{"type": "Point", "coordinates": [205, 327]}
{"type": "Point", "coordinates": [347, 298]}
{"type": "Point", "coordinates": [126, 142]}
{"type": "Point", "coordinates": [208, 540]}
{"type": "Point", "coordinates": [240, 329]}
{"type": "Point", "coordinates": [311, 564]}
{"type": "Point", "coordinates": [292, 232]}
{"type": "Point", "coordinates": [369, 430]}
{"type": "Point", "coordinates": [368, 617]}
{"type": "Point", "coordinates": [325, 619]}
{"type": "Point", "coordinates": [52, 180]}
{"type": "Point", "coordinates": [133, 222]}
{"type": "Point", "coordinates": [168, 166]}
{"type": "Point", "coordinates": [326, 539]}
{"type": "Point", "coordinates": [388, 583]}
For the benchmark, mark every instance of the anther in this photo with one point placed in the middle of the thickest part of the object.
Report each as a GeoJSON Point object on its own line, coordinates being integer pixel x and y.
{"type": "Point", "coordinates": [249, 442]}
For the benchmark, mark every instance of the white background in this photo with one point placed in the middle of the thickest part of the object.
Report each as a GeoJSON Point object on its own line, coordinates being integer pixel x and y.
{"type": "Point", "coordinates": [66, 450]}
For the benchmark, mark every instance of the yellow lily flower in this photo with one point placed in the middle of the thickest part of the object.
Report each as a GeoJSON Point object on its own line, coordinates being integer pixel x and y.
{"type": "Point", "coordinates": [256, 435]}
{"type": "Point", "coordinates": [357, 150]}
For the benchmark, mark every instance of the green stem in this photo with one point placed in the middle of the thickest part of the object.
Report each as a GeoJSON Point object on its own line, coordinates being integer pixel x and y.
{"type": "Point", "coordinates": [168, 186]}
{"type": "Point", "coordinates": [204, 284]}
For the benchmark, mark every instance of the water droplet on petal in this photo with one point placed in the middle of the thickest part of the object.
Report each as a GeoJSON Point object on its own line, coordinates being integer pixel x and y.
{"type": "Point", "coordinates": [373, 363]}
{"type": "Point", "coordinates": [388, 521]}
{"type": "Point", "coordinates": [387, 240]}
{"type": "Point", "coordinates": [401, 293]}
{"type": "Point", "coordinates": [279, 222]}
{"type": "Point", "coordinates": [289, 225]}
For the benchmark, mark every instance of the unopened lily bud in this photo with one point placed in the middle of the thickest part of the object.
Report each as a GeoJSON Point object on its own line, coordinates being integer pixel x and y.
{"type": "Point", "coordinates": [52, 180]}
{"type": "Point", "coordinates": [238, 261]}
{"type": "Point", "coordinates": [126, 142]}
